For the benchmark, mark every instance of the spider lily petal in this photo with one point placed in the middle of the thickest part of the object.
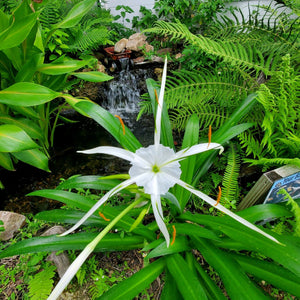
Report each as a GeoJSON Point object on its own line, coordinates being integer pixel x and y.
{"type": "Point", "coordinates": [220, 207]}
{"type": "Point", "coordinates": [196, 149]}
{"type": "Point", "coordinates": [119, 152]}
{"type": "Point", "coordinates": [112, 192]}
{"type": "Point", "coordinates": [158, 214]}
{"type": "Point", "coordinates": [160, 105]}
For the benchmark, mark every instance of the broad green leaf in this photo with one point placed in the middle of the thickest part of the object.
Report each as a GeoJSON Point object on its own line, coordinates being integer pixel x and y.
{"type": "Point", "coordinates": [237, 283]}
{"type": "Point", "coordinates": [17, 32]}
{"type": "Point", "coordinates": [270, 272]}
{"type": "Point", "coordinates": [75, 14]}
{"type": "Point", "coordinates": [14, 139]}
{"type": "Point", "coordinates": [76, 241]}
{"type": "Point", "coordinates": [187, 283]}
{"type": "Point", "coordinates": [27, 94]}
{"type": "Point", "coordinates": [4, 21]}
{"type": "Point", "coordinates": [131, 287]}
{"type": "Point", "coordinates": [30, 127]}
{"type": "Point", "coordinates": [33, 157]}
{"type": "Point", "coordinates": [181, 244]}
{"type": "Point", "coordinates": [92, 76]}
{"type": "Point", "coordinates": [27, 111]}
{"type": "Point", "coordinates": [6, 162]}
{"type": "Point", "coordinates": [28, 69]}
{"type": "Point", "coordinates": [61, 67]}
{"type": "Point", "coordinates": [106, 120]}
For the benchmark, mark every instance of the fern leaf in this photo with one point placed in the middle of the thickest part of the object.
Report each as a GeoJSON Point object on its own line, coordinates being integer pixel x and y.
{"type": "Point", "coordinates": [230, 179]}
{"type": "Point", "coordinates": [234, 54]}
{"type": "Point", "coordinates": [40, 285]}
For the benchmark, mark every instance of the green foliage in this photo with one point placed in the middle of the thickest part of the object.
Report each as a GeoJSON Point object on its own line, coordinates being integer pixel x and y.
{"type": "Point", "coordinates": [230, 185]}
{"type": "Point", "coordinates": [295, 210]}
{"type": "Point", "coordinates": [40, 285]}
{"type": "Point", "coordinates": [28, 84]}
{"type": "Point", "coordinates": [280, 142]}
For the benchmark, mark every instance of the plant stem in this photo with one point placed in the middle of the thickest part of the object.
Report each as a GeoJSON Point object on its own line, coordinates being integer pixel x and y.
{"type": "Point", "coordinates": [77, 263]}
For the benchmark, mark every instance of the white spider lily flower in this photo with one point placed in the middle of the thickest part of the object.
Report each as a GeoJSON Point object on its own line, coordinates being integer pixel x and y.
{"type": "Point", "coordinates": [156, 168]}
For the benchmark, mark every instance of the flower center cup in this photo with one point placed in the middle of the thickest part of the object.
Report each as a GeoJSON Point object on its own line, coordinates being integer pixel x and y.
{"type": "Point", "coordinates": [153, 169]}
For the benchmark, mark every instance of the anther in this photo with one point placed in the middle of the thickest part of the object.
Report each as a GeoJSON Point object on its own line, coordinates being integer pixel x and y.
{"type": "Point", "coordinates": [122, 123]}
{"type": "Point", "coordinates": [219, 196]}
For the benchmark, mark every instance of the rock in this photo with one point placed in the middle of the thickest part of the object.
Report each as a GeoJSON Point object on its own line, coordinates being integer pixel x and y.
{"type": "Point", "coordinates": [121, 45]}
{"type": "Point", "coordinates": [164, 51]}
{"type": "Point", "coordinates": [12, 223]}
{"type": "Point", "coordinates": [101, 68]}
{"type": "Point", "coordinates": [148, 47]}
{"type": "Point", "coordinates": [139, 59]}
{"type": "Point", "coordinates": [157, 59]}
{"type": "Point", "coordinates": [61, 260]}
{"type": "Point", "coordinates": [136, 42]}
{"type": "Point", "coordinates": [178, 55]}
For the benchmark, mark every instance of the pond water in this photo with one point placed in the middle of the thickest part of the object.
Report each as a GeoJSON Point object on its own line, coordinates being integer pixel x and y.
{"type": "Point", "coordinates": [121, 97]}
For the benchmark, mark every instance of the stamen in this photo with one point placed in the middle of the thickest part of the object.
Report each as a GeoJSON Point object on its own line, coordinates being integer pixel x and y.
{"type": "Point", "coordinates": [122, 123]}
{"type": "Point", "coordinates": [102, 216]}
{"type": "Point", "coordinates": [209, 136]}
{"type": "Point", "coordinates": [156, 97]}
{"type": "Point", "coordinates": [219, 196]}
{"type": "Point", "coordinates": [173, 235]}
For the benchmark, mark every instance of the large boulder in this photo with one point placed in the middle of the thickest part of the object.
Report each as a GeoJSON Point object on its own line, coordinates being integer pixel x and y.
{"type": "Point", "coordinates": [12, 223]}
{"type": "Point", "coordinates": [121, 45]}
{"type": "Point", "coordinates": [136, 42]}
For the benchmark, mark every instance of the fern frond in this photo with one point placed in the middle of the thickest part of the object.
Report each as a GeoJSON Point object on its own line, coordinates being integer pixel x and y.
{"type": "Point", "coordinates": [236, 54]}
{"type": "Point", "coordinates": [295, 209]}
{"type": "Point", "coordinates": [90, 39]}
{"type": "Point", "coordinates": [224, 88]}
{"type": "Point", "coordinates": [267, 162]}
{"type": "Point", "coordinates": [230, 178]}
{"type": "Point", "coordinates": [251, 144]}
{"type": "Point", "coordinates": [208, 114]}
{"type": "Point", "coordinates": [41, 284]}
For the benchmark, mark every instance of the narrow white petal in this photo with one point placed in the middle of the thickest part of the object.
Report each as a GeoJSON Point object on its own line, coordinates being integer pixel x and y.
{"type": "Point", "coordinates": [71, 271]}
{"type": "Point", "coordinates": [157, 210]}
{"type": "Point", "coordinates": [197, 149]}
{"type": "Point", "coordinates": [223, 209]}
{"type": "Point", "coordinates": [119, 152]}
{"type": "Point", "coordinates": [160, 105]}
{"type": "Point", "coordinates": [113, 191]}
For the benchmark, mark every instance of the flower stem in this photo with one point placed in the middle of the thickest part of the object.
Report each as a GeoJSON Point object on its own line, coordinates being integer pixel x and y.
{"type": "Point", "coordinates": [77, 263]}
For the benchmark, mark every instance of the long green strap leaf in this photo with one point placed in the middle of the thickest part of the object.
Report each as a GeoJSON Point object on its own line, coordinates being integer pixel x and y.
{"type": "Point", "coordinates": [187, 283]}
{"type": "Point", "coordinates": [270, 272]}
{"type": "Point", "coordinates": [77, 241]}
{"type": "Point", "coordinates": [109, 122]}
{"type": "Point", "coordinates": [237, 283]}
{"type": "Point", "coordinates": [85, 203]}
{"type": "Point", "coordinates": [286, 253]}
{"type": "Point", "coordinates": [131, 287]}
